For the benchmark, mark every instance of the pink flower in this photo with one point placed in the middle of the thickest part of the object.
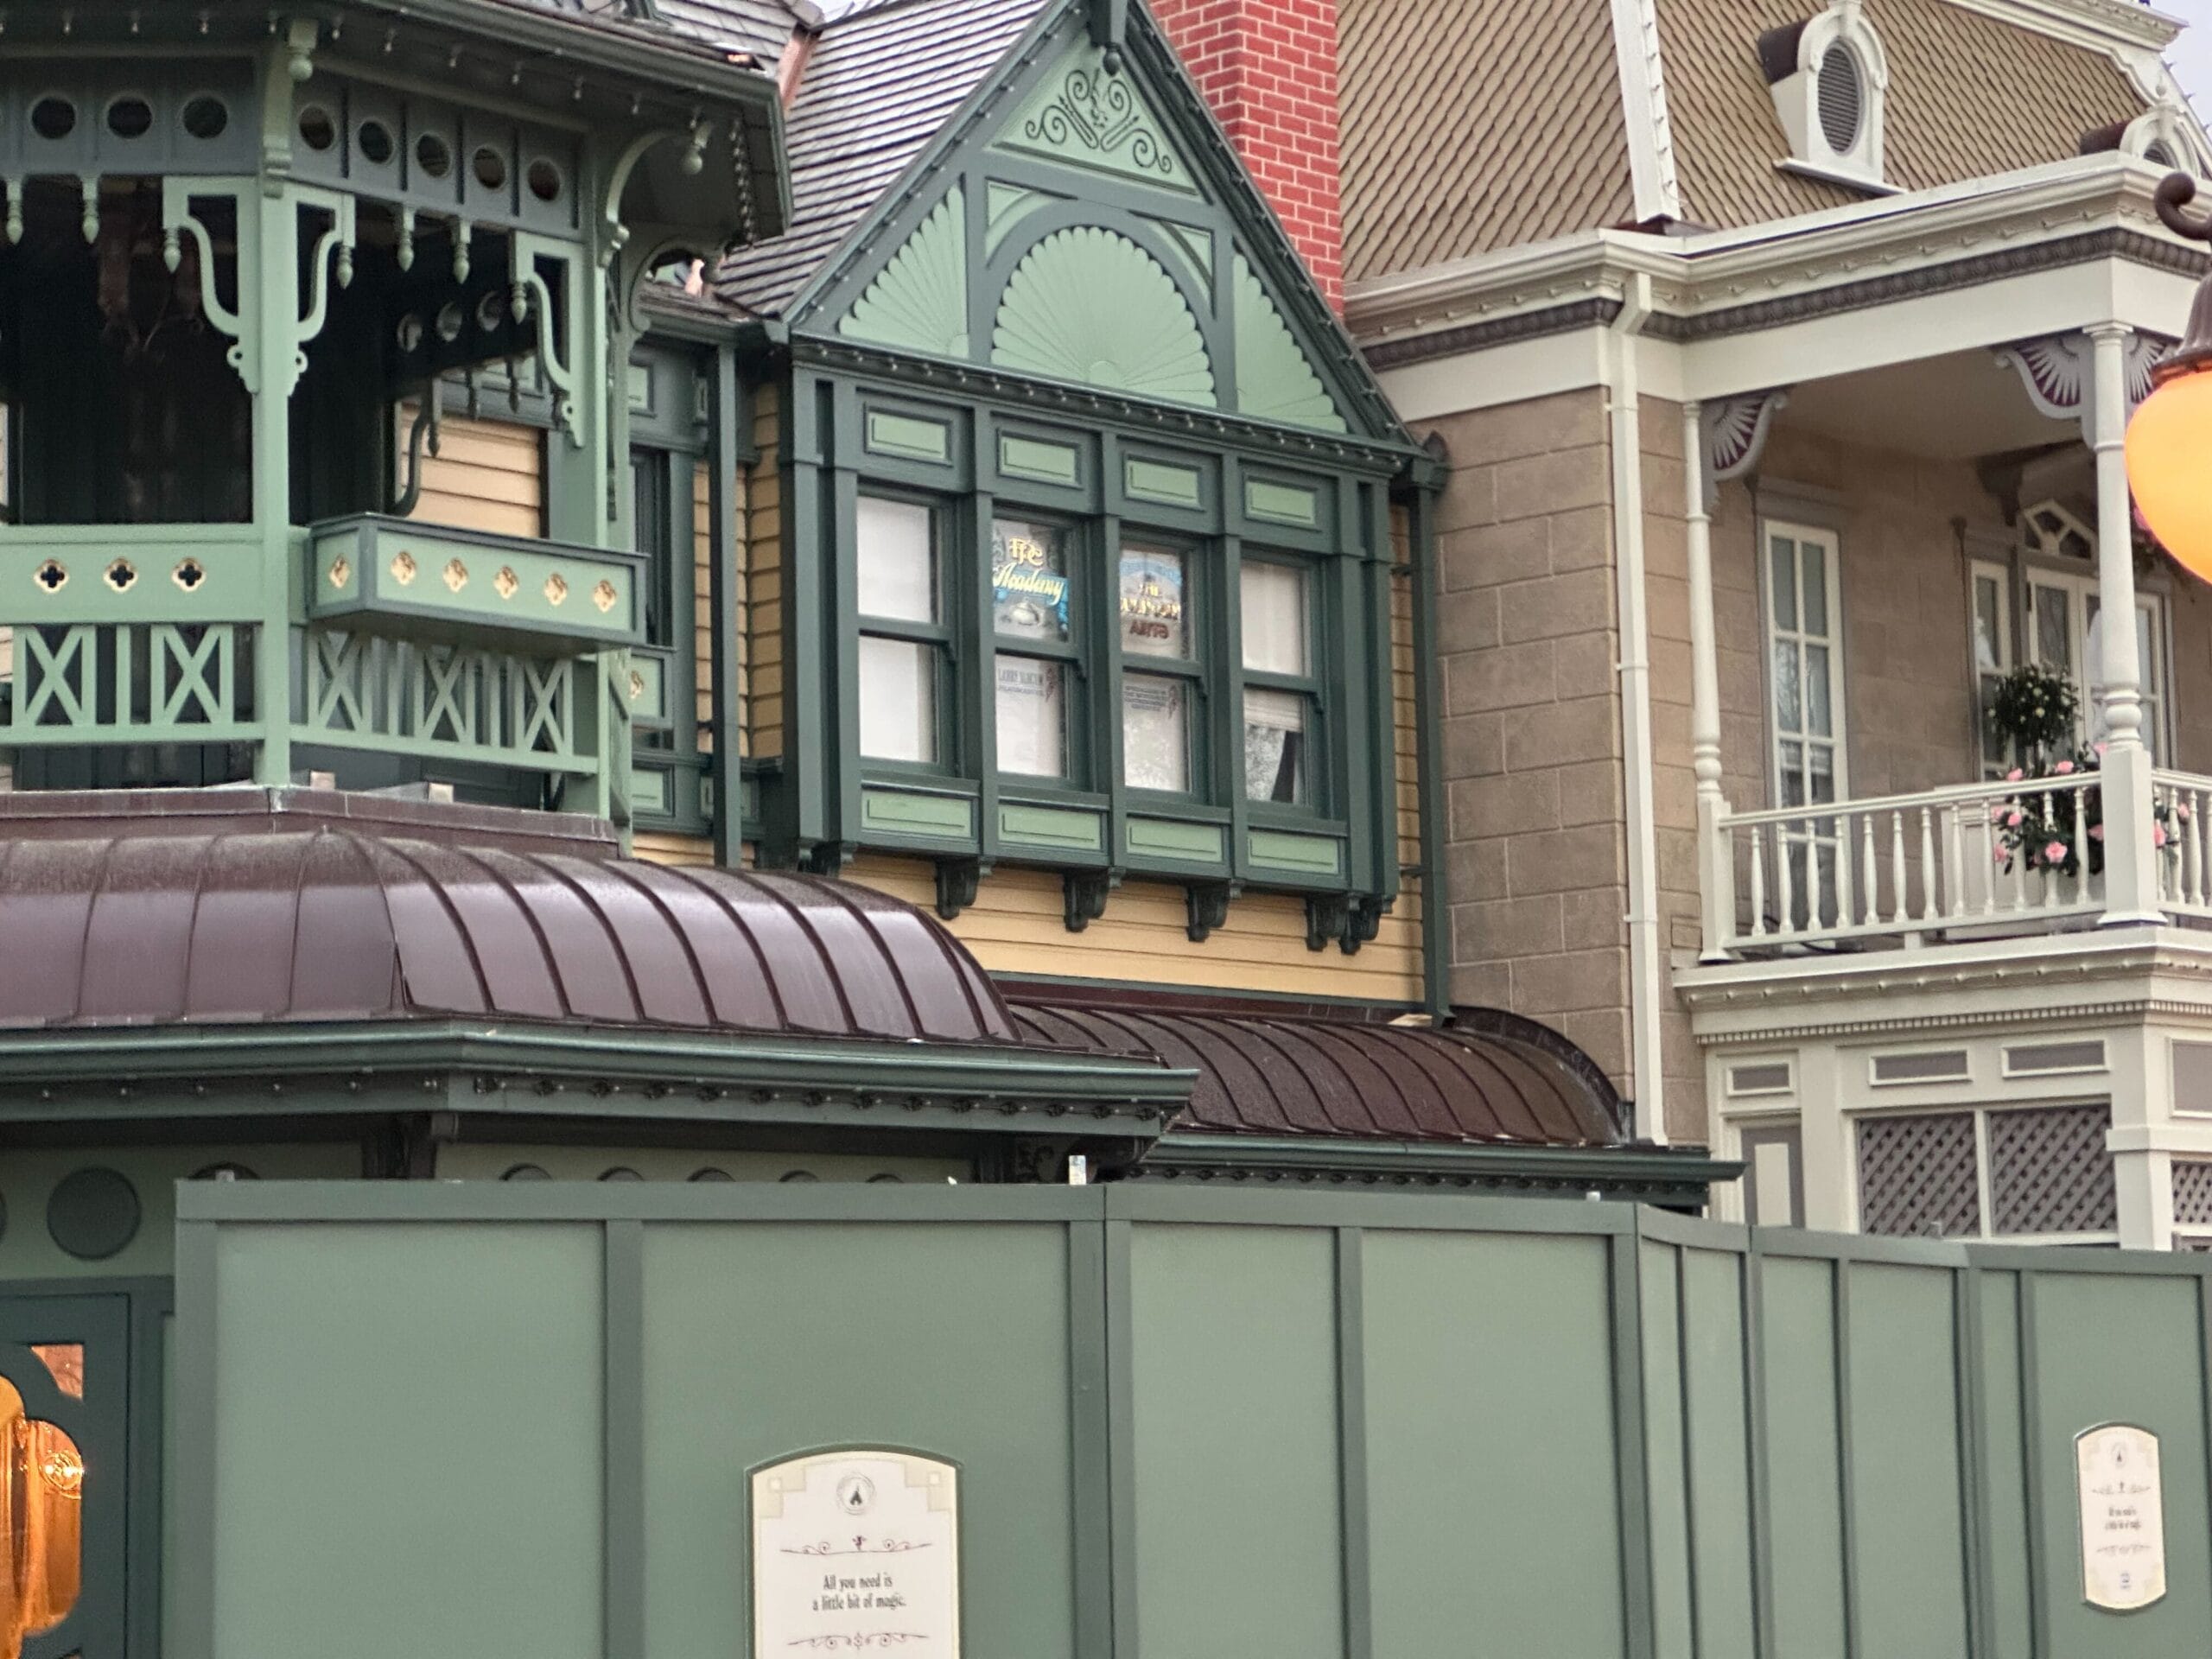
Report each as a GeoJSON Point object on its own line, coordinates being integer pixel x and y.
{"type": "Point", "coordinates": [2055, 853]}
{"type": "Point", "coordinates": [2012, 819]}
{"type": "Point", "coordinates": [2096, 832]}
{"type": "Point", "coordinates": [2014, 776]}
{"type": "Point", "coordinates": [2064, 767]}
{"type": "Point", "coordinates": [2158, 834]}
{"type": "Point", "coordinates": [1997, 853]}
{"type": "Point", "coordinates": [1997, 813]}
{"type": "Point", "coordinates": [2099, 745]}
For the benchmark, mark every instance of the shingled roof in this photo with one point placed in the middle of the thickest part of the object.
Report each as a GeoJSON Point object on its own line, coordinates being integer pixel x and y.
{"type": "Point", "coordinates": [877, 86]}
{"type": "Point", "coordinates": [759, 27]}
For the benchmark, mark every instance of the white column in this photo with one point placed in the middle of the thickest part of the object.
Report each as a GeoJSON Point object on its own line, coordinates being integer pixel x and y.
{"type": "Point", "coordinates": [2131, 862]}
{"type": "Point", "coordinates": [1716, 859]}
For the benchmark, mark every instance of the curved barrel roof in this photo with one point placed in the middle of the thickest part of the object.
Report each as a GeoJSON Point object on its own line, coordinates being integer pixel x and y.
{"type": "Point", "coordinates": [1313, 1074]}
{"type": "Point", "coordinates": [332, 924]}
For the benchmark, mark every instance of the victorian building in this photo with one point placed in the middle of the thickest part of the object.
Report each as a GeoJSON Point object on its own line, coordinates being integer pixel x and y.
{"type": "Point", "coordinates": [1781, 354]}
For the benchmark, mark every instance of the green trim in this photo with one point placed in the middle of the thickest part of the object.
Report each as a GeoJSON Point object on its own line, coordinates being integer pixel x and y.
{"type": "Point", "coordinates": [1275, 381]}
{"type": "Point", "coordinates": [1036, 458]}
{"type": "Point", "coordinates": [1279, 849]}
{"type": "Point", "coordinates": [911, 437]}
{"type": "Point", "coordinates": [919, 301]}
{"type": "Point", "coordinates": [891, 811]}
{"type": "Point", "coordinates": [1158, 481]}
{"type": "Point", "coordinates": [1174, 838]}
{"type": "Point", "coordinates": [1060, 829]}
{"type": "Point", "coordinates": [1087, 111]}
{"type": "Point", "coordinates": [1282, 503]}
{"type": "Point", "coordinates": [622, 1397]}
{"type": "Point", "coordinates": [1090, 305]}
{"type": "Point", "coordinates": [1573, 1171]}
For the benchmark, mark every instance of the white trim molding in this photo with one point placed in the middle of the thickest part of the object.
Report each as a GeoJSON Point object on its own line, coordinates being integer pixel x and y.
{"type": "Point", "coordinates": [1643, 102]}
{"type": "Point", "coordinates": [1830, 100]}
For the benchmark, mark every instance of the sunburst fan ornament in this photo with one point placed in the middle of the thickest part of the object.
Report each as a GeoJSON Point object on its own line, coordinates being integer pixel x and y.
{"type": "Point", "coordinates": [1088, 305]}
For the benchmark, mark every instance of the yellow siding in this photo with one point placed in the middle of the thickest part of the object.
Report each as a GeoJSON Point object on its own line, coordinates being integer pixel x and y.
{"type": "Point", "coordinates": [1016, 926]}
{"type": "Point", "coordinates": [679, 850]}
{"type": "Point", "coordinates": [763, 680]}
{"type": "Point", "coordinates": [487, 475]}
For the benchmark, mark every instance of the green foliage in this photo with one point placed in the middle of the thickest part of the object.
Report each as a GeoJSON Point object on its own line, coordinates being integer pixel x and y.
{"type": "Point", "coordinates": [2036, 707]}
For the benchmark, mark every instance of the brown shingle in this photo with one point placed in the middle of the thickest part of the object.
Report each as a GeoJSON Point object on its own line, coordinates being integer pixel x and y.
{"type": "Point", "coordinates": [1969, 96]}
{"type": "Point", "coordinates": [1473, 127]}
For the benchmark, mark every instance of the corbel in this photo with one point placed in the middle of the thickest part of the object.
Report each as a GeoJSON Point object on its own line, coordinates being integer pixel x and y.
{"type": "Point", "coordinates": [538, 296]}
{"type": "Point", "coordinates": [1084, 894]}
{"type": "Point", "coordinates": [1206, 906]}
{"type": "Point", "coordinates": [177, 222]}
{"type": "Point", "coordinates": [1326, 916]}
{"type": "Point", "coordinates": [827, 857]}
{"type": "Point", "coordinates": [957, 880]}
{"type": "Point", "coordinates": [1362, 921]}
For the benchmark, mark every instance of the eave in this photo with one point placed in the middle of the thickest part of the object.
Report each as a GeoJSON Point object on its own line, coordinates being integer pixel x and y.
{"type": "Point", "coordinates": [1669, 1175]}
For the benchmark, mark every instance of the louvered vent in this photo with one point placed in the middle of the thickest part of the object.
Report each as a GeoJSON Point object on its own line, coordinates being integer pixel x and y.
{"type": "Point", "coordinates": [2048, 1171]}
{"type": "Point", "coordinates": [2159, 155]}
{"type": "Point", "coordinates": [1917, 1176]}
{"type": "Point", "coordinates": [1843, 98]}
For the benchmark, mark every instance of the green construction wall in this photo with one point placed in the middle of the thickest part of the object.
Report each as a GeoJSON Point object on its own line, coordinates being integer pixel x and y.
{"type": "Point", "coordinates": [516, 1421]}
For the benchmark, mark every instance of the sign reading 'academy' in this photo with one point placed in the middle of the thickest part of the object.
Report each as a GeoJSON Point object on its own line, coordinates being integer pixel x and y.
{"type": "Point", "coordinates": [856, 1551]}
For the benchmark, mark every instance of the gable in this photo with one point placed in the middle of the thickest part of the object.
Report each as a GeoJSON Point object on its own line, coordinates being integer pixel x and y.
{"type": "Point", "coordinates": [1087, 224]}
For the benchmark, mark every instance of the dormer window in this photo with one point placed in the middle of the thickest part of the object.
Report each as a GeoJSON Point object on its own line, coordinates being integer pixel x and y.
{"type": "Point", "coordinates": [1827, 76]}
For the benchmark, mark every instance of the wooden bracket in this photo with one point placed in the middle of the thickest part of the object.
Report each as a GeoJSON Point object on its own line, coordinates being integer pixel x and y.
{"type": "Point", "coordinates": [1325, 913]}
{"type": "Point", "coordinates": [1362, 922]}
{"type": "Point", "coordinates": [1085, 894]}
{"type": "Point", "coordinates": [1207, 904]}
{"type": "Point", "coordinates": [956, 881]}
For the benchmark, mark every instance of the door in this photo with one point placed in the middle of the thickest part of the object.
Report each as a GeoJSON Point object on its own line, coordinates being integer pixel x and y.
{"type": "Point", "coordinates": [1805, 680]}
{"type": "Point", "coordinates": [2064, 634]}
{"type": "Point", "coordinates": [64, 1407]}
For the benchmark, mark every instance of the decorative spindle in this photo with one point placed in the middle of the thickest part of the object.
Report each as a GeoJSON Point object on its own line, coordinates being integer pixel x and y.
{"type": "Point", "coordinates": [407, 239]}
{"type": "Point", "coordinates": [14, 188]}
{"type": "Point", "coordinates": [345, 265]}
{"type": "Point", "coordinates": [462, 233]}
{"type": "Point", "coordinates": [172, 249]}
{"type": "Point", "coordinates": [92, 220]}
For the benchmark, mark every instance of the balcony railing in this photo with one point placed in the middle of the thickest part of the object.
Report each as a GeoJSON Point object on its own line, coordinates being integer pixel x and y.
{"type": "Point", "coordinates": [1976, 860]}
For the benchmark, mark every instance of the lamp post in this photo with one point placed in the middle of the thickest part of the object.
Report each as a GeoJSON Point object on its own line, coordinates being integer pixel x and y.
{"type": "Point", "coordinates": [2170, 440]}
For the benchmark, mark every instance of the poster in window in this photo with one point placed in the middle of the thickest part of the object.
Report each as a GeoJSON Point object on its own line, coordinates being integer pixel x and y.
{"type": "Point", "coordinates": [1032, 717]}
{"type": "Point", "coordinates": [856, 1551]}
{"type": "Point", "coordinates": [1274, 746]}
{"type": "Point", "coordinates": [1155, 734]}
{"type": "Point", "coordinates": [1029, 580]}
{"type": "Point", "coordinates": [1156, 620]}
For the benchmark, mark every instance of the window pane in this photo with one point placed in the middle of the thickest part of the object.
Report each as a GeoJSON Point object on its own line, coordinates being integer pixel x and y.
{"type": "Point", "coordinates": [898, 700]}
{"type": "Point", "coordinates": [1155, 733]}
{"type": "Point", "coordinates": [41, 1520]}
{"type": "Point", "coordinates": [1274, 618]}
{"type": "Point", "coordinates": [1029, 580]}
{"type": "Point", "coordinates": [1996, 747]}
{"type": "Point", "coordinates": [1155, 618]}
{"type": "Point", "coordinates": [1788, 705]}
{"type": "Point", "coordinates": [1032, 723]}
{"type": "Point", "coordinates": [1817, 588]}
{"type": "Point", "coordinates": [1782, 563]}
{"type": "Point", "coordinates": [1988, 620]}
{"type": "Point", "coordinates": [651, 535]}
{"type": "Point", "coordinates": [1274, 746]}
{"type": "Point", "coordinates": [2054, 643]}
{"type": "Point", "coordinates": [1816, 691]}
{"type": "Point", "coordinates": [898, 561]}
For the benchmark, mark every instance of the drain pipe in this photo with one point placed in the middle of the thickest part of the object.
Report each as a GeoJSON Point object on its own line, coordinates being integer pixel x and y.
{"type": "Point", "coordinates": [1624, 404]}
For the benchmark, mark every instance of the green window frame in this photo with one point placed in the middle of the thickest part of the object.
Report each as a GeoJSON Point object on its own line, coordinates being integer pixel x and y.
{"type": "Point", "coordinates": [906, 635]}
{"type": "Point", "coordinates": [1037, 615]}
{"type": "Point", "coordinates": [1162, 591]}
{"type": "Point", "coordinates": [671, 788]}
{"type": "Point", "coordinates": [1283, 714]}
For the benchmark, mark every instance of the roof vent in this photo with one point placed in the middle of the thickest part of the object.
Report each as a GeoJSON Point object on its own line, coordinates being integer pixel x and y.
{"type": "Point", "coordinates": [1842, 98]}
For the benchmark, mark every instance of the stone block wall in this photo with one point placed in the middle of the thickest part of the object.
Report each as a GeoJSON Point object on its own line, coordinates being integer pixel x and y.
{"type": "Point", "coordinates": [1531, 720]}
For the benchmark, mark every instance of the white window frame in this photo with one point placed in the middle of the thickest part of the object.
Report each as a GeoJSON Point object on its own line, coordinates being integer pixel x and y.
{"type": "Point", "coordinates": [2156, 688]}
{"type": "Point", "coordinates": [2008, 604]}
{"type": "Point", "coordinates": [1839, 737]}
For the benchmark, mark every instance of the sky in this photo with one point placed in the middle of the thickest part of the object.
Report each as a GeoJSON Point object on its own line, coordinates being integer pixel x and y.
{"type": "Point", "coordinates": [2191, 56]}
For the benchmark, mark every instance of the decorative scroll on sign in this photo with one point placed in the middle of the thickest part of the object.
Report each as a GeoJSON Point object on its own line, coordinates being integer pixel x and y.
{"type": "Point", "coordinates": [2123, 1517]}
{"type": "Point", "coordinates": [856, 1551]}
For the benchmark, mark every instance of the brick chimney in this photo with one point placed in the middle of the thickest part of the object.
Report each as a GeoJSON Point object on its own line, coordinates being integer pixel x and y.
{"type": "Point", "coordinates": [1268, 67]}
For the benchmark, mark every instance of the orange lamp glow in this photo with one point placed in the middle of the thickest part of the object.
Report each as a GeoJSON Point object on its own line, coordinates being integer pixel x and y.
{"type": "Point", "coordinates": [2170, 439]}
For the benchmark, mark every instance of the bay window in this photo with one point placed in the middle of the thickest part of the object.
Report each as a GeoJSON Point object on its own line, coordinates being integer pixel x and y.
{"type": "Point", "coordinates": [1034, 659]}
{"type": "Point", "coordinates": [903, 636]}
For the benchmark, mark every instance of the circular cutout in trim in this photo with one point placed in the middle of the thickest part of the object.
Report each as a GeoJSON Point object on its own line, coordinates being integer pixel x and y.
{"type": "Point", "coordinates": [93, 1213]}
{"type": "Point", "coordinates": [317, 130]}
{"type": "Point", "coordinates": [432, 155]}
{"type": "Point", "coordinates": [129, 117]}
{"type": "Point", "coordinates": [710, 1174]}
{"type": "Point", "coordinates": [373, 141]}
{"type": "Point", "coordinates": [621, 1172]}
{"type": "Point", "coordinates": [798, 1175]}
{"type": "Point", "coordinates": [543, 179]}
{"type": "Point", "coordinates": [54, 117]}
{"type": "Point", "coordinates": [525, 1173]}
{"type": "Point", "coordinates": [224, 1172]}
{"type": "Point", "coordinates": [490, 168]}
{"type": "Point", "coordinates": [205, 116]}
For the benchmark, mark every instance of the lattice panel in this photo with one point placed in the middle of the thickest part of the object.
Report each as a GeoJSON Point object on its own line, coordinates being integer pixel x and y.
{"type": "Point", "coordinates": [137, 682]}
{"type": "Point", "coordinates": [1916, 1175]}
{"type": "Point", "coordinates": [2048, 1171]}
{"type": "Point", "coordinates": [2192, 1193]}
{"type": "Point", "coordinates": [428, 699]}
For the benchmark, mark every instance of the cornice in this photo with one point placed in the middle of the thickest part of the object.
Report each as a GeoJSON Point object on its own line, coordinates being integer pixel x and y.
{"type": "Point", "coordinates": [1703, 286]}
{"type": "Point", "coordinates": [2105, 23]}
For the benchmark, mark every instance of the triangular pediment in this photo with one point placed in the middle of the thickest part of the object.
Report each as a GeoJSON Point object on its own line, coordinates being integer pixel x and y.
{"type": "Point", "coordinates": [1089, 223]}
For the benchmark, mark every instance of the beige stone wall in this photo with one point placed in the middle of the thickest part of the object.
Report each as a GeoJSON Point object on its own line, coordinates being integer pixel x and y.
{"type": "Point", "coordinates": [1531, 720]}
{"type": "Point", "coordinates": [2189, 604]}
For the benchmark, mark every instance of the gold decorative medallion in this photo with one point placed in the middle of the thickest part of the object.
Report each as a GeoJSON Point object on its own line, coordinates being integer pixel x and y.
{"type": "Point", "coordinates": [190, 574]}
{"type": "Point", "coordinates": [403, 567]}
{"type": "Point", "coordinates": [340, 572]}
{"type": "Point", "coordinates": [121, 576]}
{"type": "Point", "coordinates": [52, 576]}
{"type": "Point", "coordinates": [456, 575]}
{"type": "Point", "coordinates": [604, 595]}
{"type": "Point", "coordinates": [556, 588]}
{"type": "Point", "coordinates": [506, 581]}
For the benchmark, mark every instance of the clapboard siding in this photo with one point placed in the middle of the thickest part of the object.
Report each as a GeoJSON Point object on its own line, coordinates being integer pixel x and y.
{"type": "Point", "coordinates": [487, 475]}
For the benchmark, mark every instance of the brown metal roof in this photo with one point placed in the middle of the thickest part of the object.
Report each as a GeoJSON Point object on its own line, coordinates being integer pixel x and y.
{"type": "Point", "coordinates": [333, 923]}
{"type": "Point", "coordinates": [1492, 1081]}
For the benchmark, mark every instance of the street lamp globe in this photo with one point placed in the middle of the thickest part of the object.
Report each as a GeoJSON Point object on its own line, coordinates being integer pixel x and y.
{"type": "Point", "coordinates": [2170, 439]}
